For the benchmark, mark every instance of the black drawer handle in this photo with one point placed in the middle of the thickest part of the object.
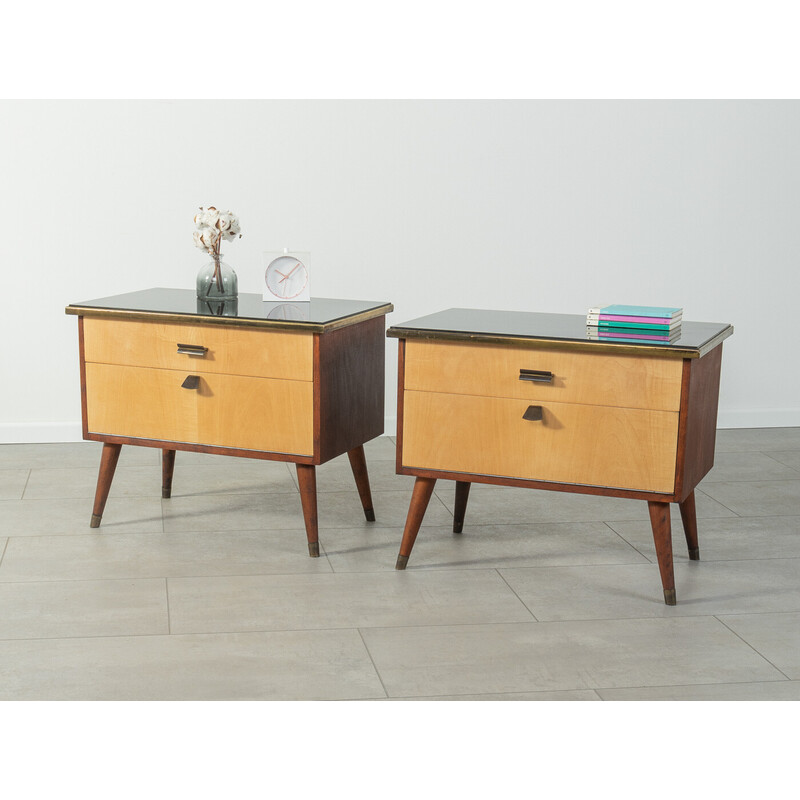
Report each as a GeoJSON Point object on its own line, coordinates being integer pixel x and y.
{"type": "Point", "coordinates": [533, 414]}
{"type": "Point", "coordinates": [191, 382]}
{"type": "Point", "coordinates": [536, 375]}
{"type": "Point", "coordinates": [192, 350]}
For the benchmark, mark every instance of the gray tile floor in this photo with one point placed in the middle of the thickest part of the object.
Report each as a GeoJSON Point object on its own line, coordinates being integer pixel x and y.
{"type": "Point", "coordinates": [545, 596]}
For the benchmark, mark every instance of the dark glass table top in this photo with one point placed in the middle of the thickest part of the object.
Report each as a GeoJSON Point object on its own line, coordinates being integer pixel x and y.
{"type": "Point", "coordinates": [567, 331]}
{"type": "Point", "coordinates": [319, 314]}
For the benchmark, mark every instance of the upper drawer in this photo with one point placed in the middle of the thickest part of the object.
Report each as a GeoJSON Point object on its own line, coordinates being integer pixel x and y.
{"type": "Point", "coordinates": [598, 379]}
{"type": "Point", "coordinates": [231, 350]}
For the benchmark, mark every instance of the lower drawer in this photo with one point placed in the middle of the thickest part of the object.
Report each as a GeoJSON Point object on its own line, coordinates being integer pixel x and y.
{"type": "Point", "coordinates": [224, 410]}
{"type": "Point", "coordinates": [624, 448]}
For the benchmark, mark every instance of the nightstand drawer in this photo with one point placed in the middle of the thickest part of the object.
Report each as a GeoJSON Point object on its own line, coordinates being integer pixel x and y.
{"type": "Point", "coordinates": [223, 410]}
{"type": "Point", "coordinates": [206, 348]}
{"type": "Point", "coordinates": [623, 448]}
{"type": "Point", "coordinates": [626, 381]}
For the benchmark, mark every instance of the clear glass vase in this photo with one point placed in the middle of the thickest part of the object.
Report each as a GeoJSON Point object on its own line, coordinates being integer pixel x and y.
{"type": "Point", "coordinates": [217, 281]}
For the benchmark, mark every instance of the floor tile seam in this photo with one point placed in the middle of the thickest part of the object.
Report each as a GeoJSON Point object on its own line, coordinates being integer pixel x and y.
{"type": "Point", "coordinates": [314, 575]}
{"type": "Point", "coordinates": [27, 481]}
{"type": "Point", "coordinates": [83, 580]}
{"type": "Point", "coordinates": [752, 647]}
{"type": "Point", "coordinates": [623, 539]}
{"type": "Point", "coordinates": [460, 567]}
{"type": "Point", "coordinates": [372, 661]}
{"type": "Point", "coordinates": [777, 681]}
{"type": "Point", "coordinates": [678, 560]}
{"type": "Point", "coordinates": [456, 695]}
{"type": "Point", "coordinates": [512, 590]}
{"type": "Point", "coordinates": [757, 480]}
{"type": "Point", "coordinates": [713, 500]}
{"type": "Point", "coordinates": [166, 598]}
{"type": "Point", "coordinates": [300, 527]}
{"type": "Point", "coordinates": [3, 553]}
{"type": "Point", "coordinates": [357, 626]}
{"type": "Point", "coordinates": [769, 455]}
{"type": "Point", "coordinates": [176, 635]}
{"type": "Point", "coordinates": [62, 638]}
{"type": "Point", "coordinates": [157, 494]}
{"type": "Point", "coordinates": [532, 622]}
{"type": "Point", "coordinates": [161, 576]}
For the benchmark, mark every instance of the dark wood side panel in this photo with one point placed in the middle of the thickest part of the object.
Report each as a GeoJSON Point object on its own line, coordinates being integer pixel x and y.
{"type": "Point", "coordinates": [696, 457]}
{"type": "Point", "coordinates": [350, 368]}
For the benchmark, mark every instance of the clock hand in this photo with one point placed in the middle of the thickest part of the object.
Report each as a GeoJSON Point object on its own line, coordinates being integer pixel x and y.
{"type": "Point", "coordinates": [296, 266]}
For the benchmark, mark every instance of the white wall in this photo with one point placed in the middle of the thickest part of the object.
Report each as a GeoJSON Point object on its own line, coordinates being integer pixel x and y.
{"type": "Point", "coordinates": [524, 205]}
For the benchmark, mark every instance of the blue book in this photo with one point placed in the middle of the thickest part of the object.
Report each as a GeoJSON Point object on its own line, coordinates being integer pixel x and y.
{"type": "Point", "coordinates": [638, 311]}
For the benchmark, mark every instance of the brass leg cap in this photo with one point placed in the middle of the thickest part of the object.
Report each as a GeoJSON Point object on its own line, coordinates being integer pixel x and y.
{"type": "Point", "coordinates": [669, 597]}
{"type": "Point", "coordinates": [694, 555]}
{"type": "Point", "coordinates": [401, 562]}
{"type": "Point", "coordinates": [313, 549]}
{"type": "Point", "coordinates": [95, 522]}
{"type": "Point", "coordinates": [369, 513]}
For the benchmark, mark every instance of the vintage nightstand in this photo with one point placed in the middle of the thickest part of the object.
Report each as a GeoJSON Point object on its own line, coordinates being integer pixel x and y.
{"type": "Point", "coordinates": [526, 399]}
{"type": "Point", "coordinates": [302, 382]}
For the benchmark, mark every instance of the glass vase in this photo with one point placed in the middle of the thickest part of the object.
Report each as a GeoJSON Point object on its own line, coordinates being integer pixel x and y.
{"type": "Point", "coordinates": [217, 281]}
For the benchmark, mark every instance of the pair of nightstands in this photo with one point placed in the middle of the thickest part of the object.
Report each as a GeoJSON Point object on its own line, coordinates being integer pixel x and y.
{"type": "Point", "coordinates": [508, 398]}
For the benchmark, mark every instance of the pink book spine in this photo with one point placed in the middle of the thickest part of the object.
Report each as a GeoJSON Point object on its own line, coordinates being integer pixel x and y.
{"type": "Point", "coordinates": [653, 320]}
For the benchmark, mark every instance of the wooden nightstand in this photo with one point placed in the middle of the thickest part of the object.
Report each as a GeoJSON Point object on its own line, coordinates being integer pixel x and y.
{"type": "Point", "coordinates": [525, 399]}
{"type": "Point", "coordinates": [302, 383]}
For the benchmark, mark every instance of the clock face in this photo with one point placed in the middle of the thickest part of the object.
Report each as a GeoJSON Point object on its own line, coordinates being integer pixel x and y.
{"type": "Point", "coordinates": [286, 277]}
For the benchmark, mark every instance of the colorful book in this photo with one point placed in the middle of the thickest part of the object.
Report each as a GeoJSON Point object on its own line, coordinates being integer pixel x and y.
{"type": "Point", "coordinates": [642, 326]}
{"type": "Point", "coordinates": [595, 318]}
{"type": "Point", "coordinates": [663, 312]}
{"type": "Point", "coordinates": [624, 337]}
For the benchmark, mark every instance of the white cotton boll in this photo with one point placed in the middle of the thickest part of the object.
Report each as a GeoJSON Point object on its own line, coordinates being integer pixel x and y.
{"type": "Point", "coordinates": [209, 238]}
{"type": "Point", "coordinates": [212, 225]}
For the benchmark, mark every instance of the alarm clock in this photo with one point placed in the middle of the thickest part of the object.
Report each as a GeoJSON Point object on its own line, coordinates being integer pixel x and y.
{"type": "Point", "coordinates": [286, 277]}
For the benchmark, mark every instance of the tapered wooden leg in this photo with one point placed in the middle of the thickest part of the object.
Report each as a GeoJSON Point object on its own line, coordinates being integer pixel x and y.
{"type": "Point", "coordinates": [462, 495]}
{"type": "Point", "coordinates": [358, 464]}
{"type": "Point", "coordinates": [689, 517]}
{"type": "Point", "coordinates": [108, 463]}
{"type": "Point", "coordinates": [167, 467]}
{"type": "Point", "coordinates": [662, 536]}
{"type": "Point", "coordinates": [420, 497]}
{"type": "Point", "coordinates": [307, 478]}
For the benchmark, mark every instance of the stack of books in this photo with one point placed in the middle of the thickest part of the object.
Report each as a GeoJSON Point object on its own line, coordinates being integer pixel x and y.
{"type": "Point", "coordinates": [634, 324]}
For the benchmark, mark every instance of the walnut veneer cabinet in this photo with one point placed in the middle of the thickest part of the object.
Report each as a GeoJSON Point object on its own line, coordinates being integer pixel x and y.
{"type": "Point", "coordinates": [296, 382]}
{"type": "Point", "coordinates": [529, 400]}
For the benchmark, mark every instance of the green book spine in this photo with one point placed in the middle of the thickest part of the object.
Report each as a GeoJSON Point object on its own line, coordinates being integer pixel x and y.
{"type": "Point", "coordinates": [650, 326]}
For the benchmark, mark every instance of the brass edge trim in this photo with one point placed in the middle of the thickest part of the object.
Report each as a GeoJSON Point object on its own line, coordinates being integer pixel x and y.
{"type": "Point", "coordinates": [556, 344]}
{"type": "Point", "coordinates": [307, 327]}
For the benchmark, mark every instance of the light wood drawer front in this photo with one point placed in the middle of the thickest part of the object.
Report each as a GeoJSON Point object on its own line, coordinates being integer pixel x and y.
{"type": "Point", "coordinates": [225, 410]}
{"type": "Point", "coordinates": [595, 445]}
{"type": "Point", "coordinates": [235, 351]}
{"type": "Point", "coordinates": [595, 379]}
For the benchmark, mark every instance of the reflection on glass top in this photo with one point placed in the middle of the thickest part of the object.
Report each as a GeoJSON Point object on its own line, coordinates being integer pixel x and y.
{"type": "Point", "coordinates": [474, 323]}
{"type": "Point", "coordinates": [317, 311]}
